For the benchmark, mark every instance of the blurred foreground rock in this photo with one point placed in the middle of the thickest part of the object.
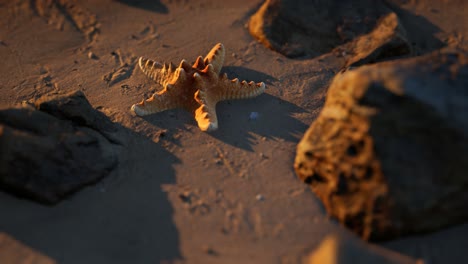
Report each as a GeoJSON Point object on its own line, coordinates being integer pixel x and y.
{"type": "Point", "coordinates": [388, 154]}
{"type": "Point", "coordinates": [15, 252]}
{"type": "Point", "coordinates": [55, 148]}
{"type": "Point", "coordinates": [336, 249]}
{"type": "Point", "coordinates": [302, 28]}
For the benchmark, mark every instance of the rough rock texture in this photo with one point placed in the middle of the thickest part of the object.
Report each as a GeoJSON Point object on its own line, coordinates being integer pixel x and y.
{"type": "Point", "coordinates": [302, 28]}
{"type": "Point", "coordinates": [15, 252]}
{"type": "Point", "coordinates": [335, 249]}
{"type": "Point", "coordinates": [49, 152]}
{"type": "Point", "coordinates": [388, 154]}
{"type": "Point", "coordinates": [386, 41]}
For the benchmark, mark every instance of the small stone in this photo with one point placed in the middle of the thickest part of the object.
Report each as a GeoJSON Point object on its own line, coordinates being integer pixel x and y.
{"type": "Point", "coordinates": [43, 70]}
{"type": "Point", "coordinates": [210, 251]}
{"type": "Point", "coordinates": [260, 197]}
{"type": "Point", "coordinates": [186, 197]}
{"type": "Point", "coordinates": [253, 116]}
{"type": "Point", "coordinates": [92, 56]}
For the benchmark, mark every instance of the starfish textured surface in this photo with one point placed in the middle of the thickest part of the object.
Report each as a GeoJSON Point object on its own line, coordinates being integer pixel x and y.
{"type": "Point", "coordinates": [196, 88]}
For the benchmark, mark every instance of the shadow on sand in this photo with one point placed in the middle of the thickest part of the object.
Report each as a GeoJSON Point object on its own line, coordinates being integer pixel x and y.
{"type": "Point", "coordinates": [154, 6]}
{"type": "Point", "coordinates": [125, 218]}
{"type": "Point", "coordinates": [421, 32]}
{"type": "Point", "coordinates": [274, 121]}
{"type": "Point", "coordinates": [274, 115]}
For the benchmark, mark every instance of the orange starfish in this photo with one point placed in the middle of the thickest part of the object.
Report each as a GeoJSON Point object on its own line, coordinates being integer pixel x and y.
{"type": "Point", "coordinates": [196, 88]}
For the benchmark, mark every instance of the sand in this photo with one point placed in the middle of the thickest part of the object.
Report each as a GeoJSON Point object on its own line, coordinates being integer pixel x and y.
{"type": "Point", "coordinates": [180, 195]}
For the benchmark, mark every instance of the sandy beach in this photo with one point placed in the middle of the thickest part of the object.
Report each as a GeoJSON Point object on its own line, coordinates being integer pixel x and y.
{"type": "Point", "coordinates": [180, 195]}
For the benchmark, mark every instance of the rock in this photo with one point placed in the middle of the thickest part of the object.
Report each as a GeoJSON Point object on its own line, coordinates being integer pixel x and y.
{"type": "Point", "coordinates": [386, 41]}
{"type": "Point", "coordinates": [92, 56]}
{"type": "Point", "coordinates": [388, 155]}
{"type": "Point", "coordinates": [15, 252]}
{"type": "Point", "coordinates": [301, 28]}
{"type": "Point", "coordinates": [260, 197]}
{"type": "Point", "coordinates": [56, 149]}
{"type": "Point", "coordinates": [253, 116]}
{"type": "Point", "coordinates": [75, 107]}
{"type": "Point", "coordinates": [336, 249]}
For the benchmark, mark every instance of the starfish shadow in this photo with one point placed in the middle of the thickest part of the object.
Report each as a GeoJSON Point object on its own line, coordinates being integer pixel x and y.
{"type": "Point", "coordinates": [266, 116]}
{"type": "Point", "coordinates": [171, 122]}
{"type": "Point", "coordinates": [155, 5]}
{"type": "Point", "coordinates": [428, 246]}
{"type": "Point", "coordinates": [421, 32]}
{"type": "Point", "coordinates": [272, 119]}
{"type": "Point", "coordinates": [124, 218]}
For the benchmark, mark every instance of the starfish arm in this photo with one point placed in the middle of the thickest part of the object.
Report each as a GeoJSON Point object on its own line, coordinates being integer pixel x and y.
{"type": "Point", "coordinates": [233, 89]}
{"type": "Point", "coordinates": [206, 113]}
{"type": "Point", "coordinates": [216, 57]}
{"type": "Point", "coordinates": [160, 73]}
{"type": "Point", "coordinates": [206, 116]}
{"type": "Point", "coordinates": [159, 101]}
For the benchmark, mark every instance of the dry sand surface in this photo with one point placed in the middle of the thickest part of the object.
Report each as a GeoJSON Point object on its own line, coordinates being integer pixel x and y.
{"type": "Point", "coordinates": [180, 195]}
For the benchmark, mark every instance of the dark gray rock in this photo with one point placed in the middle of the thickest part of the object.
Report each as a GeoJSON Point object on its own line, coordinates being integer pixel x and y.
{"type": "Point", "coordinates": [76, 108]}
{"type": "Point", "coordinates": [302, 28]}
{"type": "Point", "coordinates": [388, 154]}
{"type": "Point", "coordinates": [386, 41]}
{"type": "Point", "coordinates": [56, 149]}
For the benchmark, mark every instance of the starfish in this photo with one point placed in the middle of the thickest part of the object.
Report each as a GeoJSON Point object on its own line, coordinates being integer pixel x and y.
{"type": "Point", "coordinates": [196, 88]}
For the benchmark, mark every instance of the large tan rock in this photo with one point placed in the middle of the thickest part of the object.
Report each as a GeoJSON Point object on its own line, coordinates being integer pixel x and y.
{"type": "Point", "coordinates": [388, 154]}
{"type": "Point", "coordinates": [13, 251]}
{"type": "Point", "coordinates": [336, 249]}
